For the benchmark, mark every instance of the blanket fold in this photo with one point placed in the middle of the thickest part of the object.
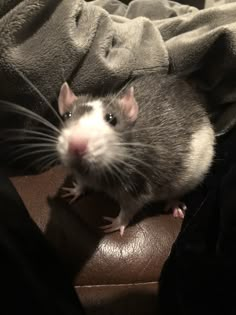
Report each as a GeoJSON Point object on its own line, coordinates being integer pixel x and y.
{"type": "Point", "coordinates": [99, 44]}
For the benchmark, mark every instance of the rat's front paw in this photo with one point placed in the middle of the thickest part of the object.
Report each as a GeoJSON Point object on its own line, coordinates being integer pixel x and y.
{"type": "Point", "coordinates": [178, 208]}
{"type": "Point", "coordinates": [115, 225]}
{"type": "Point", "coordinates": [72, 192]}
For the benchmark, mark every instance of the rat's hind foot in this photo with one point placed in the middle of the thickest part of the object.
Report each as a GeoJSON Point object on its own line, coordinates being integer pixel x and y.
{"type": "Point", "coordinates": [73, 192]}
{"type": "Point", "coordinates": [115, 225]}
{"type": "Point", "coordinates": [178, 208]}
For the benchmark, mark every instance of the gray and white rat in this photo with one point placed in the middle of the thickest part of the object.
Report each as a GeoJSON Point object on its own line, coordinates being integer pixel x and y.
{"type": "Point", "coordinates": [152, 141]}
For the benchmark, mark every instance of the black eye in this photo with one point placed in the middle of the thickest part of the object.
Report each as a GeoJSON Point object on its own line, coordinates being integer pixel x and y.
{"type": "Point", "coordinates": [67, 115]}
{"type": "Point", "coordinates": [111, 119]}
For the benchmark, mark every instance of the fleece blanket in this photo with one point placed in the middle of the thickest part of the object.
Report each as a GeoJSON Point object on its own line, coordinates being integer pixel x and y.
{"type": "Point", "coordinates": [100, 44]}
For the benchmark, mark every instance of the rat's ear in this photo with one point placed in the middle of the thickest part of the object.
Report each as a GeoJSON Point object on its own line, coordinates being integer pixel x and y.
{"type": "Point", "coordinates": [66, 98]}
{"type": "Point", "coordinates": [129, 105]}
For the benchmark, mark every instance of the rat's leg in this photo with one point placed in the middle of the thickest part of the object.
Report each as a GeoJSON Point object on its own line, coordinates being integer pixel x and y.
{"type": "Point", "coordinates": [73, 192]}
{"type": "Point", "coordinates": [128, 209]}
{"type": "Point", "coordinates": [120, 222]}
{"type": "Point", "coordinates": [178, 208]}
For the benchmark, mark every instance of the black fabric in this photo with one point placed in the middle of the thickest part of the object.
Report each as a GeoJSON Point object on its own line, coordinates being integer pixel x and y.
{"type": "Point", "coordinates": [33, 280]}
{"type": "Point", "coordinates": [200, 275]}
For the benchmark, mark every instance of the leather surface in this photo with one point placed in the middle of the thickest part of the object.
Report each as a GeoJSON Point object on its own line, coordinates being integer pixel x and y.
{"type": "Point", "coordinates": [120, 299]}
{"type": "Point", "coordinates": [92, 258]}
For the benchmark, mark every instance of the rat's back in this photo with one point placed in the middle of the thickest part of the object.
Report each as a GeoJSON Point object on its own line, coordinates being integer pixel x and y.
{"type": "Point", "coordinates": [172, 119]}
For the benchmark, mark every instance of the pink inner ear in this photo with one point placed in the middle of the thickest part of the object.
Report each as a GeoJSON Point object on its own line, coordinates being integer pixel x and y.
{"type": "Point", "coordinates": [66, 98]}
{"type": "Point", "coordinates": [129, 105]}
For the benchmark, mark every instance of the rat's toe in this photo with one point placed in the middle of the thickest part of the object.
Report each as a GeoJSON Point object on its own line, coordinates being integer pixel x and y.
{"type": "Point", "coordinates": [115, 225]}
{"type": "Point", "coordinates": [72, 192]}
{"type": "Point", "coordinates": [177, 207]}
{"type": "Point", "coordinates": [178, 213]}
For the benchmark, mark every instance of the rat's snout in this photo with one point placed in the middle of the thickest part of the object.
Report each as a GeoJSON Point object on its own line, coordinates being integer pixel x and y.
{"type": "Point", "coordinates": [78, 147]}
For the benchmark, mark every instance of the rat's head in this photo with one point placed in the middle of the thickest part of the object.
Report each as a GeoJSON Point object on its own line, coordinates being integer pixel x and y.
{"type": "Point", "coordinates": [94, 129]}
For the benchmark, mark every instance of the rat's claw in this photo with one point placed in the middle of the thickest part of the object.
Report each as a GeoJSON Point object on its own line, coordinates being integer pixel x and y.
{"type": "Point", "coordinates": [178, 208]}
{"type": "Point", "coordinates": [72, 192]}
{"type": "Point", "coordinates": [115, 225]}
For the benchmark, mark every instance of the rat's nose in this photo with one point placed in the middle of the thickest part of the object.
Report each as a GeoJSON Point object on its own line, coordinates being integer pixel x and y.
{"type": "Point", "coordinates": [78, 147]}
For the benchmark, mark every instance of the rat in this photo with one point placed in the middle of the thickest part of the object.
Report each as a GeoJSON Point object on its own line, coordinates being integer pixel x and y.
{"type": "Point", "coordinates": [152, 141]}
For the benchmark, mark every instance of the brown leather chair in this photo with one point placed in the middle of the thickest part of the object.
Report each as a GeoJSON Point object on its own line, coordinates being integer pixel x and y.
{"type": "Point", "coordinates": [112, 274]}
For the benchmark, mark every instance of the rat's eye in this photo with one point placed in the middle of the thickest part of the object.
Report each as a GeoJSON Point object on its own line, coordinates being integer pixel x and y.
{"type": "Point", "coordinates": [111, 119]}
{"type": "Point", "coordinates": [67, 115]}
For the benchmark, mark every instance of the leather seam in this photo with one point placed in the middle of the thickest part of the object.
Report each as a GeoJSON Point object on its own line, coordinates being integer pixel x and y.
{"type": "Point", "coordinates": [116, 285]}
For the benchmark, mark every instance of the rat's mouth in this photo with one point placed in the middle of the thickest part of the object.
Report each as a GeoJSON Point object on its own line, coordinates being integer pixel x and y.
{"type": "Point", "coordinates": [81, 164]}
{"type": "Point", "coordinates": [88, 164]}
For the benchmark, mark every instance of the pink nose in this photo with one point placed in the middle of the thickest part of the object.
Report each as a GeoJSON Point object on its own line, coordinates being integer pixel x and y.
{"type": "Point", "coordinates": [78, 147]}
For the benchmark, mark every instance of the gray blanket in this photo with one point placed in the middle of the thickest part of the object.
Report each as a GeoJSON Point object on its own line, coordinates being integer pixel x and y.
{"type": "Point", "coordinates": [99, 44]}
